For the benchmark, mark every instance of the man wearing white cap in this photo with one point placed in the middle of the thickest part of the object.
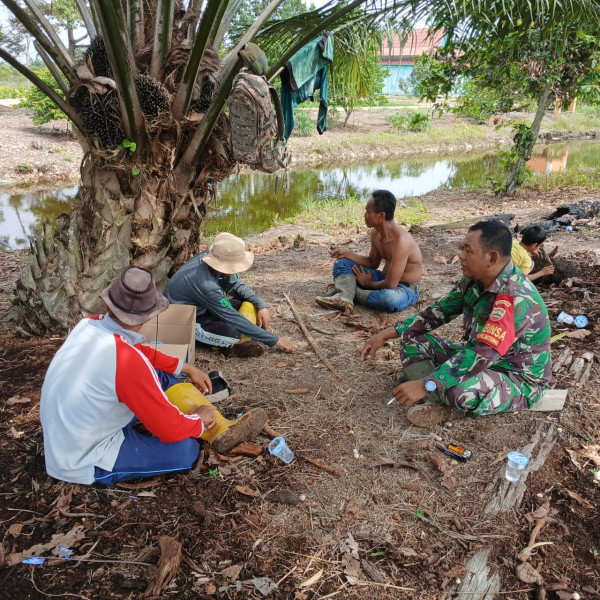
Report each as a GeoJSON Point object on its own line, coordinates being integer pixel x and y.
{"type": "Point", "coordinates": [209, 281]}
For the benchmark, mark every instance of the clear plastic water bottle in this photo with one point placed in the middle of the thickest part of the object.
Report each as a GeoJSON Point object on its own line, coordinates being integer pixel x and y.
{"type": "Point", "coordinates": [516, 463]}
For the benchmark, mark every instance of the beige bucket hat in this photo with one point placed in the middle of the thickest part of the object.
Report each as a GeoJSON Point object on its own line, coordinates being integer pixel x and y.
{"type": "Point", "coordinates": [132, 296]}
{"type": "Point", "coordinates": [228, 255]}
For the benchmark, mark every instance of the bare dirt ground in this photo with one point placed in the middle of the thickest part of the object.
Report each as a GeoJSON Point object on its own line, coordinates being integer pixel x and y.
{"type": "Point", "coordinates": [378, 513]}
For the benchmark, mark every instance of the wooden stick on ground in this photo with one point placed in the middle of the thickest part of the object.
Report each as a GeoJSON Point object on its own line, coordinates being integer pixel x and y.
{"type": "Point", "coordinates": [310, 338]}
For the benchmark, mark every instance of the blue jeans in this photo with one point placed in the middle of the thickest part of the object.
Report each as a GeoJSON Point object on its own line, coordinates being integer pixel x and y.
{"type": "Point", "coordinates": [385, 300]}
{"type": "Point", "coordinates": [143, 455]}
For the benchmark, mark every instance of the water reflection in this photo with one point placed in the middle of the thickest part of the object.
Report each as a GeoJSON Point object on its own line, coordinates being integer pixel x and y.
{"type": "Point", "coordinates": [20, 213]}
{"type": "Point", "coordinates": [249, 202]}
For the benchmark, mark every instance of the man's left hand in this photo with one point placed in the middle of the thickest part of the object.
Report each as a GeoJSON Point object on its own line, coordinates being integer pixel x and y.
{"type": "Point", "coordinates": [199, 378]}
{"type": "Point", "coordinates": [363, 277]}
{"type": "Point", "coordinates": [410, 392]}
{"type": "Point", "coordinates": [263, 318]}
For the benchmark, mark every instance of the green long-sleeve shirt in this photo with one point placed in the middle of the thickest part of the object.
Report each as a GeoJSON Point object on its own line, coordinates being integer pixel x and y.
{"type": "Point", "coordinates": [506, 329]}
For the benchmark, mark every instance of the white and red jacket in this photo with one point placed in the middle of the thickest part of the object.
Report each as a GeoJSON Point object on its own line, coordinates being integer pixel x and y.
{"type": "Point", "coordinates": [101, 378]}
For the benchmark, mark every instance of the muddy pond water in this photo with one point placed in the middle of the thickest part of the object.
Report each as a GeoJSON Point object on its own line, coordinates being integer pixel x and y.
{"type": "Point", "coordinates": [249, 202]}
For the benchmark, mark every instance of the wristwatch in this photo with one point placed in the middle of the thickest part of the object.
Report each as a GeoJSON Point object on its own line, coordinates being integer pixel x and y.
{"type": "Point", "coordinates": [429, 384]}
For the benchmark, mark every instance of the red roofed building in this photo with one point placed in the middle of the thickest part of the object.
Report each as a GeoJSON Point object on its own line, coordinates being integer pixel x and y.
{"type": "Point", "coordinates": [400, 58]}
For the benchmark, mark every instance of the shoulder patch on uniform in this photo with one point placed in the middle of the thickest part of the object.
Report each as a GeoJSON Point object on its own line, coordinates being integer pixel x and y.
{"type": "Point", "coordinates": [499, 330]}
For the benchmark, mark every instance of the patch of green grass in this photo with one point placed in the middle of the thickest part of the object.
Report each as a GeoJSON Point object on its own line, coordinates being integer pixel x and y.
{"type": "Point", "coordinates": [304, 126]}
{"type": "Point", "coordinates": [59, 150]}
{"type": "Point", "coordinates": [584, 109]}
{"type": "Point", "coordinates": [67, 158]}
{"type": "Point", "coordinates": [577, 177]}
{"type": "Point", "coordinates": [575, 122]}
{"type": "Point", "coordinates": [331, 213]}
{"type": "Point", "coordinates": [458, 133]}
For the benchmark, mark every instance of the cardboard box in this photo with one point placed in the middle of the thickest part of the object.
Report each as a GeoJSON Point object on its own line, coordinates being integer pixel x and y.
{"type": "Point", "coordinates": [176, 329]}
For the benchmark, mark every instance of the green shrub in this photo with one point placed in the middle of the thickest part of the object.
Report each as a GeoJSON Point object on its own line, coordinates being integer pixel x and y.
{"type": "Point", "coordinates": [412, 121]}
{"type": "Point", "coordinates": [418, 121]}
{"type": "Point", "coordinates": [7, 91]}
{"type": "Point", "coordinates": [44, 110]}
{"type": "Point", "coordinates": [304, 126]}
{"type": "Point", "coordinates": [399, 121]}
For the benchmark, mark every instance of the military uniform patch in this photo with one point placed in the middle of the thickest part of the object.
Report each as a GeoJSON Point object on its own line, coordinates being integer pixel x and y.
{"type": "Point", "coordinates": [499, 330]}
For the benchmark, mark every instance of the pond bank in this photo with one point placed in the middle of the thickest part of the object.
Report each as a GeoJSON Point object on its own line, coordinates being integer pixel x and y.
{"type": "Point", "coordinates": [43, 156]}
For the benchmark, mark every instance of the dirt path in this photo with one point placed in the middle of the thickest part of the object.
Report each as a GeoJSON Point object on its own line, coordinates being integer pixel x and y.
{"type": "Point", "coordinates": [398, 520]}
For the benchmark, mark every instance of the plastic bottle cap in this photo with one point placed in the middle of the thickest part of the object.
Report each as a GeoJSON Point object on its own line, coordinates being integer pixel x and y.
{"type": "Point", "coordinates": [518, 458]}
{"type": "Point", "coordinates": [580, 321]}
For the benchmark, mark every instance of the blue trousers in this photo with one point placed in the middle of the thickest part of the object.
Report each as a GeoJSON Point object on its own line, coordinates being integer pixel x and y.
{"type": "Point", "coordinates": [384, 300]}
{"type": "Point", "coordinates": [144, 455]}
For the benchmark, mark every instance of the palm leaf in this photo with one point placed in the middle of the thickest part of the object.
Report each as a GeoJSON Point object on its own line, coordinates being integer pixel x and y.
{"type": "Point", "coordinates": [87, 18]}
{"type": "Point", "coordinates": [212, 13]}
{"type": "Point", "coordinates": [162, 36]}
{"type": "Point", "coordinates": [37, 32]}
{"type": "Point", "coordinates": [112, 26]}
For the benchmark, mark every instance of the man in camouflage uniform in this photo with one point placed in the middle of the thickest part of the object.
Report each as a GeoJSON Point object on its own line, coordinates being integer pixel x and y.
{"type": "Point", "coordinates": [504, 363]}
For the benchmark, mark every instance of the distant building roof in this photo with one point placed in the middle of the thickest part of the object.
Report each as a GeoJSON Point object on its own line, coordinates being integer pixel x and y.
{"type": "Point", "coordinates": [418, 42]}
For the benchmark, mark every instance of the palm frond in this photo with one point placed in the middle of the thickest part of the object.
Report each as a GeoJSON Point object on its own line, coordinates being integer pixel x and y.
{"type": "Point", "coordinates": [118, 47]}
{"type": "Point", "coordinates": [50, 32]}
{"type": "Point", "coordinates": [162, 36]}
{"type": "Point", "coordinates": [34, 28]}
{"type": "Point", "coordinates": [52, 68]}
{"type": "Point", "coordinates": [87, 18]}
{"type": "Point", "coordinates": [212, 13]}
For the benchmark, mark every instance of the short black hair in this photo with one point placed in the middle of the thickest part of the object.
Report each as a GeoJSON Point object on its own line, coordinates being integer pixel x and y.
{"type": "Point", "coordinates": [494, 236]}
{"type": "Point", "coordinates": [385, 202]}
{"type": "Point", "coordinates": [533, 234]}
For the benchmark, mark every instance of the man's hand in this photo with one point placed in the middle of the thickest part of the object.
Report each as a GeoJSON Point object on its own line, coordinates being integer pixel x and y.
{"type": "Point", "coordinates": [410, 392]}
{"type": "Point", "coordinates": [547, 270]}
{"type": "Point", "coordinates": [263, 318]}
{"type": "Point", "coordinates": [339, 252]}
{"type": "Point", "coordinates": [207, 414]}
{"type": "Point", "coordinates": [285, 343]}
{"type": "Point", "coordinates": [371, 346]}
{"type": "Point", "coordinates": [199, 378]}
{"type": "Point", "coordinates": [363, 277]}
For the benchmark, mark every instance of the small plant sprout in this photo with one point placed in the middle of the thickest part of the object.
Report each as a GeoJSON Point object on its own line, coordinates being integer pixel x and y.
{"type": "Point", "coordinates": [419, 514]}
{"type": "Point", "coordinates": [129, 145]}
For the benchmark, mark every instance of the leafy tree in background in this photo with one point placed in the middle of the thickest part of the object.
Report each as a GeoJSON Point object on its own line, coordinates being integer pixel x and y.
{"type": "Point", "coordinates": [516, 50]}
{"type": "Point", "coordinates": [146, 102]}
{"type": "Point", "coordinates": [44, 109]}
{"type": "Point", "coordinates": [357, 77]}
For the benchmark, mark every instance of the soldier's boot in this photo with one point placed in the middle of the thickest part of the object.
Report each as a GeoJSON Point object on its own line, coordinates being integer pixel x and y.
{"type": "Point", "coordinates": [343, 300]}
{"type": "Point", "coordinates": [430, 411]}
{"type": "Point", "coordinates": [225, 434]}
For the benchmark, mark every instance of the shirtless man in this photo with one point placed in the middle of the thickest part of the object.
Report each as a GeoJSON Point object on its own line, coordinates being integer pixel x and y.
{"type": "Point", "coordinates": [356, 277]}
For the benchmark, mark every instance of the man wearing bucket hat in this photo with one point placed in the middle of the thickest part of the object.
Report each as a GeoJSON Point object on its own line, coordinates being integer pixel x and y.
{"type": "Point", "coordinates": [102, 381]}
{"type": "Point", "coordinates": [227, 310]}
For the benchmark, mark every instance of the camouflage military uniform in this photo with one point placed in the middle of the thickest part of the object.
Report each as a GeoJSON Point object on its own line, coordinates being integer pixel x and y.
{"type": "Point", "coordinates": [504, 364]}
